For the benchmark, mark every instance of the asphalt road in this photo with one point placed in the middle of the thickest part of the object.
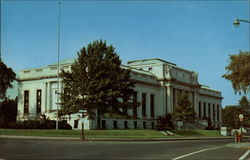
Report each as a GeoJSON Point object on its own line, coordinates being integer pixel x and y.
{"type": "Point", "coordinates": [74, 149]}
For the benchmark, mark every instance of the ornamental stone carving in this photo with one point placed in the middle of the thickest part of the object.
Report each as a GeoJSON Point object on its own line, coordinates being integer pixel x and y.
{"type": "Point", "coordinates": [168, 69]}
{"type": "Point", "coordinates": [194, 77]}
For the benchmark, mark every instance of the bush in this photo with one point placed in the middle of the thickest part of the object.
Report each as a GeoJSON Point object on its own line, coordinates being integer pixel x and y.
{"type": "Point", "coordinates": [164, 122]}
{"type": "Point", "coordinates": [40, 123]}
{"type": "Point", "coordinates": [64, 125]}
{"type": "Point", "coordinates": [209, 128]}
{"type": "Point", "coordinates": [8, 112]}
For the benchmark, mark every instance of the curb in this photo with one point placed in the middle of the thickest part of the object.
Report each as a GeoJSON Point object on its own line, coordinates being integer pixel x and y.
{"type": "Point", "coordinates": [115, 139]}
{"type": "Point", "coordinates": [239, 145]}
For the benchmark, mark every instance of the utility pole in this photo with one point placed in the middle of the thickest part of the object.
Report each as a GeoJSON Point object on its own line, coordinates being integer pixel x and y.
{"type": "Point", "coordinates": [0, 31]}
{"type": "Point", "coordinates": [58, 65]}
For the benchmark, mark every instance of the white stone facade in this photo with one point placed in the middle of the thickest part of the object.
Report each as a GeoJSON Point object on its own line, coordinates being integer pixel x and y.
{"type": "Point", "coordinates": [158, 83]}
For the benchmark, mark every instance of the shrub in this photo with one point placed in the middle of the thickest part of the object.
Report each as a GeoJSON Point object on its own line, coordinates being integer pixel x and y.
{"type": "Point", "coordinates": [209, 128]}
{"type": "Point", "coordinates": [164, 122]}
{"type": "Point", "coordinates": [40, 123]}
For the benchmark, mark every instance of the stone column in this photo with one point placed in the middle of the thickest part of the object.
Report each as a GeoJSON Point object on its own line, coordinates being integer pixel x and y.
{"type": "Point", "coordinates": [215, 112]}
{"type": "Point", "coordinates": [169, 99]}
{"type": "Point", "coordinates": [196, 102]}
{"type": "Point", "coordinates": [220, 113]}
{"type": "Point", "coordinates": [48, 96]}
{"type": "Point", "coordinates": [44, 98]}
{"type": "Point", "coordinates": [212, 113]}
{"type": "Point", "coordinates": [202, 109]}
{"type": "Point", "coordinates": [164, 99]}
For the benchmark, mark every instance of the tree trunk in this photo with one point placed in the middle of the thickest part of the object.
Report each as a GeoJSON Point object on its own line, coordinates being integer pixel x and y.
{"type": "Point", "coordinates": [98, 119]}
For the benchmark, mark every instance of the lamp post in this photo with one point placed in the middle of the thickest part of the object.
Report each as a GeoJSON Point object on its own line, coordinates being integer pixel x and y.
{"type": "Point", "coordinates": [237, 22]}
{"type": "Point", "coordinates": [83, 114]}
{"type": "Point", "coordinates": [58, 65]}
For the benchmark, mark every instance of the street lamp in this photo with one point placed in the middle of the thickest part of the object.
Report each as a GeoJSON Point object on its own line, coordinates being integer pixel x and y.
{"type": "Point", "coordinates": [237, 22]}
{"type": "Point", "coordinates": [83, 114]}
{"type": "Point", "coordinates": [58, 65]}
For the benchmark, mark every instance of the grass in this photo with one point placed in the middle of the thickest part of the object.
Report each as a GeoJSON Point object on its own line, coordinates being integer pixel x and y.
{"type": "Point", "coordinates": [109, 133]}
{"type": "Point", "coordinates": [88, 133]}
{"type": "Point", "coordinates": [197, 133]}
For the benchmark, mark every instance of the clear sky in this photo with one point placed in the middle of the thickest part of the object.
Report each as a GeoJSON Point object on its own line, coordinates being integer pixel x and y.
{"type": "Point", "coordinates": [195, 35]}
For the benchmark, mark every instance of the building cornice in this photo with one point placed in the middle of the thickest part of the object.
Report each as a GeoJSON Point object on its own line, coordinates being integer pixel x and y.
{"type": "Point", "coordinates": [145, 83]}
{"type": "Point", "coordinates": [36, 78]}
{"type": "Point", "coordinates": [175, 81]}
{"type": "Point", "coordinates": [207, 95]}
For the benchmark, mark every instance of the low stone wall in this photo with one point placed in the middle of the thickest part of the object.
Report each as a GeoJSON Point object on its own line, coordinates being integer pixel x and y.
{"type": "Point", "coordinates": [107, 123]}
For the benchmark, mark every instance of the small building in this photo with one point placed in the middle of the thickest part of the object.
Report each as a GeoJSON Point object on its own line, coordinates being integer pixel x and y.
{"type": "Point", "coordinates": [158, 84]}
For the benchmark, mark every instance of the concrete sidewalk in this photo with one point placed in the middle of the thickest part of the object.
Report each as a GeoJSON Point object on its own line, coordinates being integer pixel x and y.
{"type": "Point", "coordinates": [116, 139]}
{"type": "Point", "coordinates": [240, 145]}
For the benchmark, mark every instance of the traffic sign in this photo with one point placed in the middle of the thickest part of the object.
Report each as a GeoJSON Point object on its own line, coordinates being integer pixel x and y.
{"type": "Point", "coordinates": [241, 116]}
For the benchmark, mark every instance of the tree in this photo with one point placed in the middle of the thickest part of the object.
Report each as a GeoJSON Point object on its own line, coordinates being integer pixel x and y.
{"type": "Point", "coordinates": [7, 75]}
{"type": "Point", "coordinates": [184, 110]}
{"type": "Point", "coordinates": [165, 122]}
{"type": "Point", "coordinates": [238, 72]}
{"type": "Point", "coordinates": [230, 116]}
{"type": "Point", "coordinates": [8, 114]}
{"type": "Point", "coordinates": [244, 103]}
{"type": "Point", "coordinates": [97, 82]}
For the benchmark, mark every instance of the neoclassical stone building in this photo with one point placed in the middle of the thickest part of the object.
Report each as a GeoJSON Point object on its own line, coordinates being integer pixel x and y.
{"type": "Point", "coordinates": [158, 84]}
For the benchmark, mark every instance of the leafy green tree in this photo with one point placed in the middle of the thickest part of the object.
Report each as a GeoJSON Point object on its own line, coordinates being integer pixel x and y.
{"type": "Point", "coordinates": [238, 72]}
{"type": "Point", "coordinates": [7, 75]}
{"type": "Point", "coordinates": [8, 114]}
{"type": "Point", "coordinates": [97, 82]}
{"type": "Point", "coordinates": [230, 117]}
{"type": "Point", "coordinates": [244, 103]}
{"type": "Point", "coordinates": [184, 110]}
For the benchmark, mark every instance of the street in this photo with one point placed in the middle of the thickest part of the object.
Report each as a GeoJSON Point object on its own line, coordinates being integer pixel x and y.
{"type": "Point", "coordinates": [73, 149]}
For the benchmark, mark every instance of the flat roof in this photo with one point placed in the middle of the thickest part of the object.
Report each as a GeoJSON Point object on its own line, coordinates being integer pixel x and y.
{"type": "Point", "coordinates": [156, 59]}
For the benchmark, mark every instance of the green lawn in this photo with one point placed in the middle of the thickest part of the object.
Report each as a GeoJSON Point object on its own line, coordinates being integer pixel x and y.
{"type": "Point", "coordinates": [197, 133]}
{"type": "Point", "coordinates": [109, 133]}
{"type": "Point", "coordinates": [88, 133]}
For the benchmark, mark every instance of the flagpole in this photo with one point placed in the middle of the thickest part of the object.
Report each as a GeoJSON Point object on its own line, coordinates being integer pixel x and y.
{"type": "Point", "coordinates": [0, 31]}
{"type": "Point", "coordinates": [58, 65]}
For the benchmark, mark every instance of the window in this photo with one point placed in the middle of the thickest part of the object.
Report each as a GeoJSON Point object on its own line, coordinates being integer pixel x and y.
{"type": "Point", "coordinates": [144, 125]}
{"type": "Point", "coordinates": [213, 112]}
{"type": "Point", "coordinates": [115, 124]}
{"type": "Point", "coordinates": [174, 97]}
{"type": "Point", "coordinates": [125, 124]}
{"type": "Point", "coordinates": [218, 112]}
{"type": "Point", "coordinates": [200, 110]}
{"type": "Point", "coordinates": [152, 104]}
{"type": "Point", "coordinates": [135, 107]}
{"type": "Point", "coordinates": [209, 110]}
{"type": "Point", "coordinates": [76, 124]}
{"type": "Point", "coordinates": [103, 124]}
{"type": "Point", "coordinates": [144, 105]}
{"type": "Point", "coordinates": [26, 102]}
{"type": "Point", "coordinates": [38, 101]}
{"type": "Point", "coordinates": [152, 125]}
{"type": "Point", "coordinates": [135, 124]}
{"type": "Point", "coordinates": [149, 68]}
{"type": "Point", "coordinates": [204, 110]}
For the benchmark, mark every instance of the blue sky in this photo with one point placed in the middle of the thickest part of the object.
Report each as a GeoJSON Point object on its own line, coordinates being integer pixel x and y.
{"type": "Point", "coordinates": [196, 35]}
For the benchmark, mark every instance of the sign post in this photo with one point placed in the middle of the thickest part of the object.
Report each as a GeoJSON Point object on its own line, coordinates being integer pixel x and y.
{"type": "Point", "coordinates": [241, 116]}
{"type": "Point", "coordinates": [84, 113]}
{"type": "Point", "coordinates": [240, 136]}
